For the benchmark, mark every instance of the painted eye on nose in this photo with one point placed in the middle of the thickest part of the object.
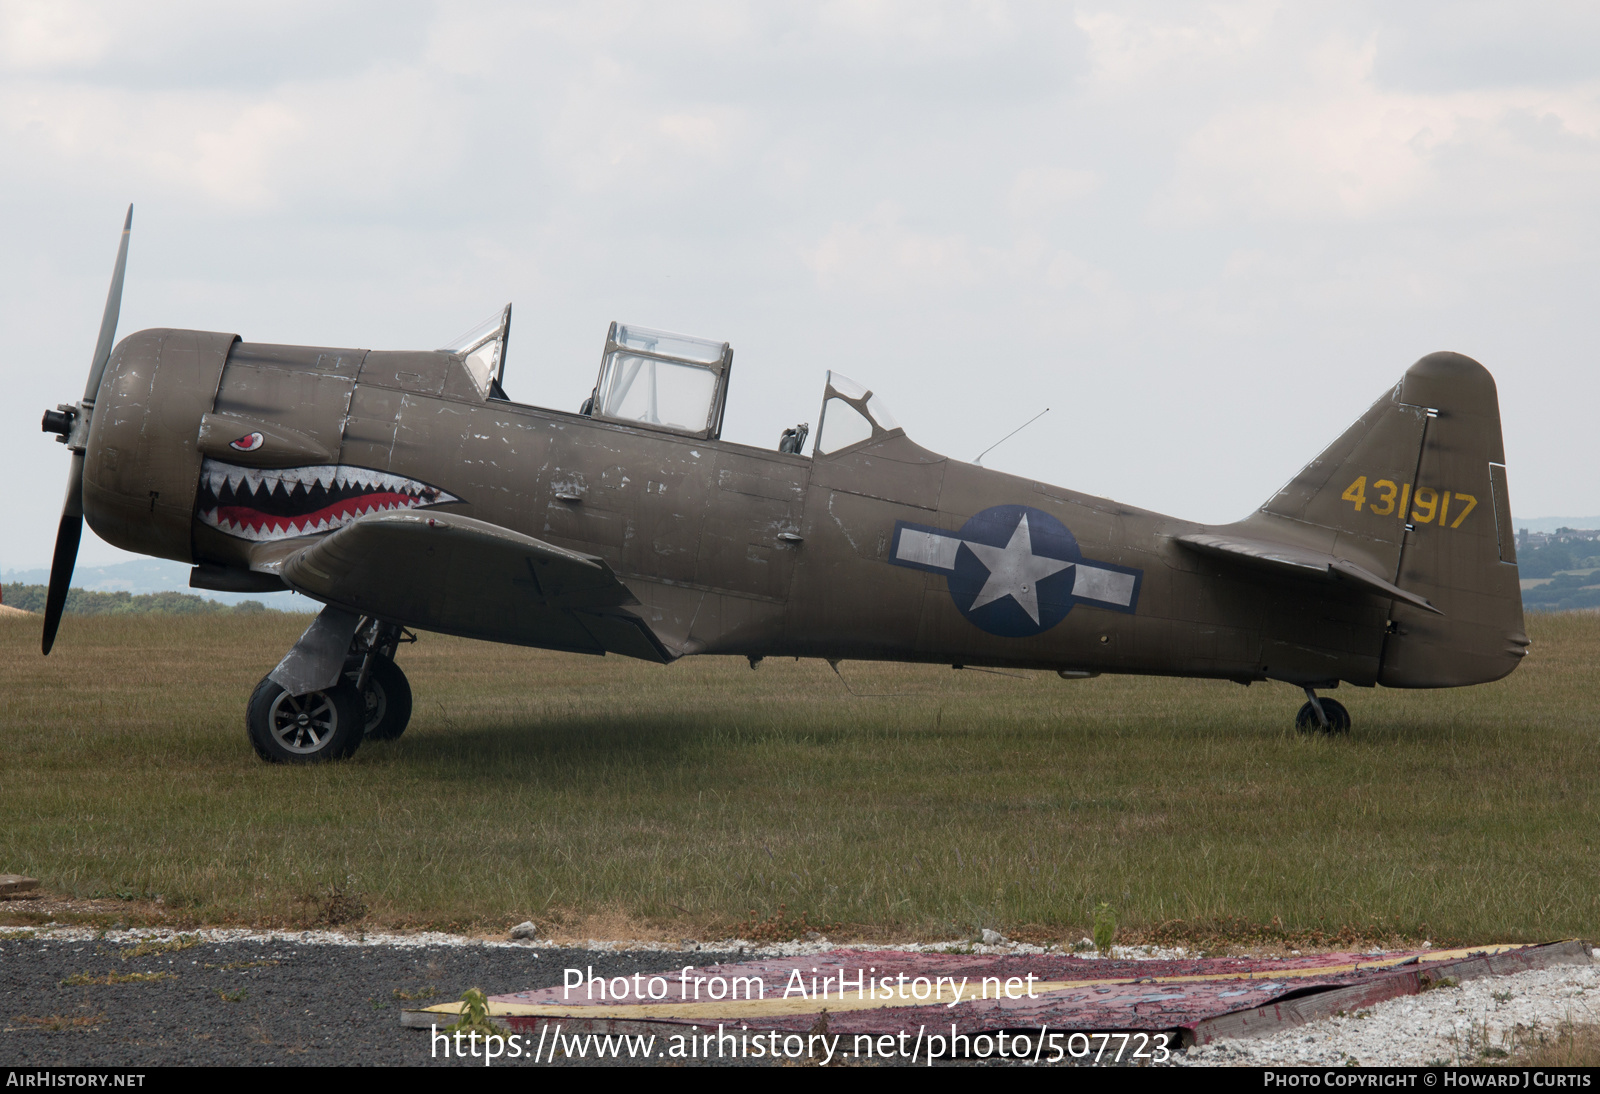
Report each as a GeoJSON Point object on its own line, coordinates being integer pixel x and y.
{"type": "Point", "coordinates": [248, 443]}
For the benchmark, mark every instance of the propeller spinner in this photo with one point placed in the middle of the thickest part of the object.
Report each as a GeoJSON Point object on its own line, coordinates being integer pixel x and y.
{"type": "Point", "coordinates": [71, 426]}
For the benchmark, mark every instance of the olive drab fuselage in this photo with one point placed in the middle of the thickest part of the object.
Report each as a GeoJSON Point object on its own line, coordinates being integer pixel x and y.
{"type": "Point", "coordinates": [1386, 560]}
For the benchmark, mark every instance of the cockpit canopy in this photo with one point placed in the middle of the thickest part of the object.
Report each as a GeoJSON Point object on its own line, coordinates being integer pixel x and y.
{"type": "Point", "coordinates": [671, 381]}
{"type": "Point", "coordinates": [678, 383]}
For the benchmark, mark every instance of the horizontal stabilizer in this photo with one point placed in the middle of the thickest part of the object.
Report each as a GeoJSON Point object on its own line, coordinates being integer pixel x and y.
{"type": "Point", "coordinates": [450, 573]}
{"type": "Point", "coordinates": [1293, 561]}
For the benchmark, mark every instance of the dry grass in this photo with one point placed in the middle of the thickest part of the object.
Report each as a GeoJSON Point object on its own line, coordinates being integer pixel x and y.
{"type": "Point", "coordinates": [670, 801]}
{"type": "Point", "coordinates": [157, 946]}
{"type": "Point", "coordinates": [1571, 1046]}
{"type": "Point", "coordinates": [57, 1023]}
{"type": "Point", "coordinates": [86, 979]}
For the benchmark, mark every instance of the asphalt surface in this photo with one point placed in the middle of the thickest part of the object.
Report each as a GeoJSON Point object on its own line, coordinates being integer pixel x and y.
{"type": "Point", "coordinates": [253, 1003]}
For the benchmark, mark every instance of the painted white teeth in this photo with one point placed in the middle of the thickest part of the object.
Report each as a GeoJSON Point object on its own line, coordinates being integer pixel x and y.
{"type": "Point", "coordinates": [373, 492]}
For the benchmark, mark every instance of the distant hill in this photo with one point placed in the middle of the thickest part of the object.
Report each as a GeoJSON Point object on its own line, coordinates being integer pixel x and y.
{"type": "Point", "coordinates": [152, 575]}
{"type": "Point", "coordinates": [1550, 524]}
{"type": "Point", "coordinates": [1559, 576]}
{"type": "Point", "coordinates": [1563, 593]}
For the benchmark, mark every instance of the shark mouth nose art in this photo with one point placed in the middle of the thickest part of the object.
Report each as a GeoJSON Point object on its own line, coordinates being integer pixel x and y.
{"type": "Point", "coordinates": [281, 503]}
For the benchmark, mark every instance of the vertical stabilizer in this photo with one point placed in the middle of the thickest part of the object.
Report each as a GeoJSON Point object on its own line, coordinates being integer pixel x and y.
{"type": "Point", "coordinates": [1416, 492]}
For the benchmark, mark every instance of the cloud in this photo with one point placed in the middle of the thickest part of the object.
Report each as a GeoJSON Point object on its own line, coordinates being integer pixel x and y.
{"type": "Point", "coordinates": [879, 254]}
{"type": "Point", "coordinates": [1040, 192]}
{"type": "Point", "coordinates": [357, 139]}
{"type": "Point", "coordinates": [607, 137]}
{"type": "Point", "coordinates": [1341, 146]}
{"type": "Point", "coordinates": [924, 24]}
{"type": "Point", "coordinates": [1127, 50]}
{"type": "Point", "coordinates": [41, 35]}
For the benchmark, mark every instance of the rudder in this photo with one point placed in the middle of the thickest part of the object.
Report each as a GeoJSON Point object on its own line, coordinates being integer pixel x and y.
{"type": "Point", "coordinates": [1459, 549]}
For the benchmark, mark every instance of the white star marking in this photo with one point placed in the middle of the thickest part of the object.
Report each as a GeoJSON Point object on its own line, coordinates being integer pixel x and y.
{"type": "Point", "coordinates": [1014, 571]}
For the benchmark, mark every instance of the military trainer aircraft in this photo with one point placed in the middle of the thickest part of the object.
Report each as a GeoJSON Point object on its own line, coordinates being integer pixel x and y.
{"type": "Point", "coordinates": [406, 490]}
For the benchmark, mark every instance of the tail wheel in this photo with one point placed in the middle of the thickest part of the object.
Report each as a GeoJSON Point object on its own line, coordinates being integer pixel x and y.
{"type": "Point", "coordinates": [304, 729]}
{"type": "Point", "coordinates": [386, 700]}
{"type": "Point", "coordinates": [1338, 718]}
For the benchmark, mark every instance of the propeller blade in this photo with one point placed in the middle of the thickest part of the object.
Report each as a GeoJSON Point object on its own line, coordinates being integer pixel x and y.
{"type": "Point", "coordinates": [66, 556]}
{"type": "Point", "coordinates": [108, 322]}
{"type": "Point", "coordinates": [70, 532]}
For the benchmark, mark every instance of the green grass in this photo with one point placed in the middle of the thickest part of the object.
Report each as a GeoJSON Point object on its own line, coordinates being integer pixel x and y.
{"type": "Point", "coordinates": [611, 795]}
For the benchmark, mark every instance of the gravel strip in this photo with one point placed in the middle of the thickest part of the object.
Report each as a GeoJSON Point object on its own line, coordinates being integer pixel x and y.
{"type": "Point", "coordinates": [285, 999]}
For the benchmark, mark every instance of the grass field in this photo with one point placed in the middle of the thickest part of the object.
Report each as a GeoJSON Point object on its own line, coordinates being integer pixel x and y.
{"type": "Point", "coordinates": [611, 796]}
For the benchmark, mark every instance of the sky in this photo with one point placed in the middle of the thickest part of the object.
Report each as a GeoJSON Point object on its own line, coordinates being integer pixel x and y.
{"type": "Point", "coordinates": [1205, 236]}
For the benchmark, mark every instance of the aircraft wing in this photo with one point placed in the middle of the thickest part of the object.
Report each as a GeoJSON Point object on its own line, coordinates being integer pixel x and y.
{"type": "Point", "coordinates": [457, 575]}
{"type": "Point", "coordinates": [1293, 561]}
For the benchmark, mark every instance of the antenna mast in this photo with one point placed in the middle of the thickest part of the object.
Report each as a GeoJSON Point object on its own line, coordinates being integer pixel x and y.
{"type": "Point", "coordinates": [1008, 436]}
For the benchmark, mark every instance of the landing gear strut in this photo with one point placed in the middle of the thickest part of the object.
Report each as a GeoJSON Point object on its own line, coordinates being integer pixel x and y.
{"type": "Point", "coordinates": [1327, 715]}
{"type": "Point", "coordinates": [309, 709]}
{"type": "Point", "coordinates": [370, 668]}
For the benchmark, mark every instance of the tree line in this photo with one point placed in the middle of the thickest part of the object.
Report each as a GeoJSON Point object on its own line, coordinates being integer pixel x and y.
{"type": "Point", "coordinates": [86, 602]}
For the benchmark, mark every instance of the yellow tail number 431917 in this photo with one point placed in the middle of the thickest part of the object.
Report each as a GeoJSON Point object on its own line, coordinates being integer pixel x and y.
{"type": "Point", "coordinates": [1393, 500]}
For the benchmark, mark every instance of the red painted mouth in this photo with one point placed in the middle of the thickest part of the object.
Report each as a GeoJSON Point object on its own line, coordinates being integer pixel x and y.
{"type": "Point", "coordinates": [270, 504]}
{"type": "Point", "coordinates": [265, 525]}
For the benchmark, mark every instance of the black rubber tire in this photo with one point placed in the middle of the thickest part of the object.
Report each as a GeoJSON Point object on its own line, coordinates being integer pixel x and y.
{"type": "Point", "coordinates": [1306, 720]}
{"type": "Point", "coordinates": [332, 730]}
{"type": "Point", "coordinates": [387, 701]}
{"type": "Point", "coordinates": [1338, 716]}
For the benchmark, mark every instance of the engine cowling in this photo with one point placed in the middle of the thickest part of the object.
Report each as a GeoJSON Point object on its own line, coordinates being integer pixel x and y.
{"type": "Point", "coordinates": [142, 460]}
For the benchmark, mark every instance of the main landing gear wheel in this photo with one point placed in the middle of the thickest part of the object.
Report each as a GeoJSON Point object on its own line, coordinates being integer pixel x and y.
{"type": "Point", "coordinates": [386, 700]}
{"type": "Point", "coordinates": [304, 729]}
{"type": "Point", "coordinates": [1338, 718]}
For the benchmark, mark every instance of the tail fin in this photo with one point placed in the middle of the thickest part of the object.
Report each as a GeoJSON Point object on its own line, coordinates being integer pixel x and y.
{"type": "Point", "coordinates": [1416, 491]}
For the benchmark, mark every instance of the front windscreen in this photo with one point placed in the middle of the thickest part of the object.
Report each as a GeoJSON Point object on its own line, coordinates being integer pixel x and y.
{"type": "Point", "coordinates": [483, 332]}
{"type": "Point", "coordinates": [643, 389]}
{"type": "Point", "coordinates": [482, 348]}
{"type": "Point", "coordinates": [483, 364]}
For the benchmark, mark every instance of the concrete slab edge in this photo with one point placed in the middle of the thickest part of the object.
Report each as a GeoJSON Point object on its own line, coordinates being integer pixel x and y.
{"type": "Point", "coordinates": [1296, 1010]}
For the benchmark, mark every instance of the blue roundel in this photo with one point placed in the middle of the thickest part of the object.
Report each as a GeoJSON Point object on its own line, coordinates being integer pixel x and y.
{"type": "Point", "coordinates": [1014, 572]}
